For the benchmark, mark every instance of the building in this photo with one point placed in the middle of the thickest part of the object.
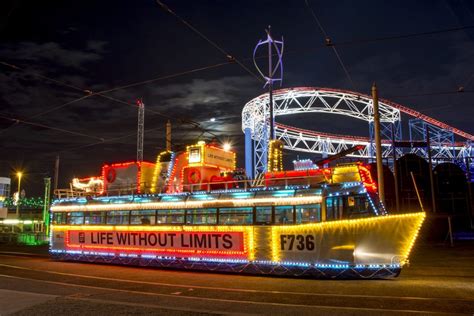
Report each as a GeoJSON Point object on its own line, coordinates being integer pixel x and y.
{"type": "Point", "coordinates": [5, 184]}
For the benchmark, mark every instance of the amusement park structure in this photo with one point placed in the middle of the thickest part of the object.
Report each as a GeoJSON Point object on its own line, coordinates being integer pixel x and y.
{"type": "Point", "coordinates": [255, 125]}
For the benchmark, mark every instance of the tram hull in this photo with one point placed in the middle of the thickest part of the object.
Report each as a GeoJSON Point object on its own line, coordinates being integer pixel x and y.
{"type": "Point", "coordinates": [369, 248]}
{"type": "Point", "coordinates": [310, 271]}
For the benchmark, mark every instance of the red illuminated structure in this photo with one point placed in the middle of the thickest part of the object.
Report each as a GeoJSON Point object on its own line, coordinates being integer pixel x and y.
{"type": "Point", "coordinates": [132, 175]}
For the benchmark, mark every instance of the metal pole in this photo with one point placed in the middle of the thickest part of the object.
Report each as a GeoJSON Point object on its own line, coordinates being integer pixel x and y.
{"type": "Point", "coordinates": [56, 172]}
{"type": "Point", "coordinates": [469, 191]}
{"type": "Point", "coordinates": [450, 232]}
{"type": "Point", "coordinates": [270, 83]}
{"type": "Point", "coordinates": [417, 192]}
{"type": "Point", "coordinates": [395, 170]}
{"type": "Point", "coordinates": [19, 174]}
{"type": "Point", "coordinates": [430, 165]}
{"type": "Point", "coordinates": [249, 165]}
{"type": "Point", "coordinates": [141, 130]}
{"type": "Point", "coordinates": [47, 189]}
{"type": "Point", "coordinates": [378, 144]}
{"type": "Point", "coordinates": [168, 136]}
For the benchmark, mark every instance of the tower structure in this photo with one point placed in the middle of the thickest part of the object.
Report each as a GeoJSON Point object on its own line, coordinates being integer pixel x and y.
{"type": "Point", "coordinates": [257, 149]}
{"type": "Point", "coordinates": [141, 129]}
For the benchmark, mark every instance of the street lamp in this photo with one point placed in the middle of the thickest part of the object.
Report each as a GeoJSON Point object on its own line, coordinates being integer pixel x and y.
{"type": "Point", "coordinates": [18, 174]}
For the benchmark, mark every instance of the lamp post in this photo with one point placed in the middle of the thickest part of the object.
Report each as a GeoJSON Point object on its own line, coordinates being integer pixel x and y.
{"type": "Point", "coordinates": [18, 174]}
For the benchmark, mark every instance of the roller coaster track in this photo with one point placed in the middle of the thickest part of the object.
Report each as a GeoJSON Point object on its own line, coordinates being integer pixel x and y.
{"type": "Point", "coordinates": [301, 100]}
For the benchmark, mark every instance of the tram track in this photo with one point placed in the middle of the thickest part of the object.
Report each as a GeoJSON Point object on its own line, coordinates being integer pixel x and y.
{"type": "Point", "coordinates": [246, 302]}
{"type": "Point", "coordinates": [247, 296]}
{"type": "Point", "coordinates": [226, 289]}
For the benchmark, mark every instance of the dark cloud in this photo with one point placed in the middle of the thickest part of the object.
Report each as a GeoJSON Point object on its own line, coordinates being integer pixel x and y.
{"type": "Point", "coordinates": [89, 45]}
{"type": "Point", "coordinates": [54, 52]}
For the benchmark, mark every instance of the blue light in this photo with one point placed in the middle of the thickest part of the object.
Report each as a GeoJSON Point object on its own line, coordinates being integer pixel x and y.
{"type": "Point", "coordinates": [321, 266]}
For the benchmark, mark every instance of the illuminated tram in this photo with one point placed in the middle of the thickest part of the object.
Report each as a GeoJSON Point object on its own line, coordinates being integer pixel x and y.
{"type": "Point", "coordinates": [322, 223]}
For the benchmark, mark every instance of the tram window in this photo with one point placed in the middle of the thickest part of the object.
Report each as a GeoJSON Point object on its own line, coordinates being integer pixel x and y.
{"type": "Point", "coordinates": [308, 213]}
{"type": "Point", "coordinates": [334, 208]}
{"type": "Point", "coordinates": [143, 217]}
{"type": "Point", "coordinates": [95, 217]}
{"type": "Point", "coordinates": [284, 215]}
{"type": "Point", "coordinates": [75, 218]}
{"type": "Point", "coordinates": [118, 217]}
{"type": "Point", "coordinates": [357, 206]}
{"type": "Point", "coordinates": [235, 216]}
{"type": "Point", "coordinates": [201, 216]}
{"type": "Point", "coordinates": [59, 218]}
{"type": "Point", "coordinates": [170, 217]}
{"type": "Point", "coordinates": [264, 215]}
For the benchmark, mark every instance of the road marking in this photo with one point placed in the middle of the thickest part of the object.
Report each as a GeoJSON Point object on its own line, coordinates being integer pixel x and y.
{"type": "Point", "coordinates": [182, 309]}
{"type": "Point", "coordinates": [240, 289]}
{"type": "Point", "coordinates": [330, 308]}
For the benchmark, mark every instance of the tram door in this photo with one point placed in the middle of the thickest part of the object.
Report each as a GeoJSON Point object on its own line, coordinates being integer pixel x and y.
{"type": "Point", "coordinates": [334, 208]}
{"type": "Point", "coordinates": [263, 215]}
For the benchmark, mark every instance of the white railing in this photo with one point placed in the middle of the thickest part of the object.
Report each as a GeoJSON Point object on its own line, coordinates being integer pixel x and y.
{"type": "Point", "coordinates": [307, 180]}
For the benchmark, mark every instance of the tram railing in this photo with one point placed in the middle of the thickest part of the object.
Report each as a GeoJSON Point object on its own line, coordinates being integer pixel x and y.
{"type": "Point", "coordinates": [308, 180]}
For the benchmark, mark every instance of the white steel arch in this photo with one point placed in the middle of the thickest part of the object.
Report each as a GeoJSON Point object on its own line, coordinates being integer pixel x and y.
{"type": "Point", "coordinates": [255, 123]}
{"type": "Point", "coordinates": [313, 100]}
{"type": "Point", "coordinates": [302, 140]}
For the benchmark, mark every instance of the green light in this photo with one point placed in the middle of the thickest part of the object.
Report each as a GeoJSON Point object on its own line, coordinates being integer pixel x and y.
{"type": "Point", "coordinates": [25, 203]}
{"type": "Point", "coordinates": [31, 239]}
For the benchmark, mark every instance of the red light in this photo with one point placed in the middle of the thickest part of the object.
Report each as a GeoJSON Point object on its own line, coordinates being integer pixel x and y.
{"type": "Point", "coordinates": [366, 178]}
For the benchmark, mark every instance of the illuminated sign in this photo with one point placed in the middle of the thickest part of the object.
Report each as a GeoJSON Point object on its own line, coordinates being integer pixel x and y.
{"type": "Point", "coordinates": [231, 243]}
{"type": "Point", "coordinates": [297, 242]}
{"type": "Point", "coordinates": [220, 158]}
{"type": "Point", "coordinates": [350, 240]}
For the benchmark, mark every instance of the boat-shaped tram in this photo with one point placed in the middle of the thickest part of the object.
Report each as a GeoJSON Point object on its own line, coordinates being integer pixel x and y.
{"type": "Point", "coordinates": [194, 210]}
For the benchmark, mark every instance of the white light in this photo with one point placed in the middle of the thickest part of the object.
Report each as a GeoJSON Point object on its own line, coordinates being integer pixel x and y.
{"type": "Point", "coordinates": [226, 146]}
{"type": "Point", "coordinates": [191, 204]}
{"type": "Point", "coordinates": [11, 221]}
{"type": "Point", "coordinates": [213, 119]}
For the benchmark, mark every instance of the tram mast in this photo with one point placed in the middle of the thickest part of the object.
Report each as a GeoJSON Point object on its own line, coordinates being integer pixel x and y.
{"type": "Point", "coordinates": [268, 153]}
{"type": "Point", "coordinates": [141, 130]}
{"type": "Point", "coordinates": [272, 45]}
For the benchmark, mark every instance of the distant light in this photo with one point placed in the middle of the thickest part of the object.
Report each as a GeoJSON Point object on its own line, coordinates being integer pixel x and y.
{"type": "Point", "coordinates": [19, 174]}
{"type": "Point", "coordinates": [227, 146]}
{"type": "Point", "coordinates": [213, 119]}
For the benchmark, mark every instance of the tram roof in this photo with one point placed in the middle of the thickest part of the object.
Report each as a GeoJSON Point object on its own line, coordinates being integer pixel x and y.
{"type": "Point", "coordinates": [237, 194]}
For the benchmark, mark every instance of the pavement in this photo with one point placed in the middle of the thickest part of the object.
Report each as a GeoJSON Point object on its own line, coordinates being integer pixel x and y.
{"type": "Point", "coordinates": [439, 281]}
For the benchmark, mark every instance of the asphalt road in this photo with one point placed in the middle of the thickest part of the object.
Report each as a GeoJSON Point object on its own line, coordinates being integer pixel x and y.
{"type": "Point", "coordinates": [439, 281]}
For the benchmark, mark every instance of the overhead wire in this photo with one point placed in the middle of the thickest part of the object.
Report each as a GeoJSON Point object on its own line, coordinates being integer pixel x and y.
{"type": "Point", "coordinates": [328, 41]}
{"type": "Point", "coordinates": [178, 74]}
{"type": "Point", "coordinates": [220, 49]}
{"type": "Point", "coordinates": [423, 94]}
{"type": "Point", "coordinates": [102, 140]}
{"type": "Point", "coordinates": [231, 60]}
{"type": "Point", "coordinates": [13, 119]}
{"type": "Point", "coordinates": [88, 92]}
{"type": "Point", "coordinates": [352, 42]}
{"type": "Point", "coordinates": [401, 36]}
{"type": "Point", "coordinates": [100, 94]}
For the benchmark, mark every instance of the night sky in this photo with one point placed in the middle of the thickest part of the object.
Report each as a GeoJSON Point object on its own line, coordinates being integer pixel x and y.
{"type": "Point", "coordinates": [100, 45]}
